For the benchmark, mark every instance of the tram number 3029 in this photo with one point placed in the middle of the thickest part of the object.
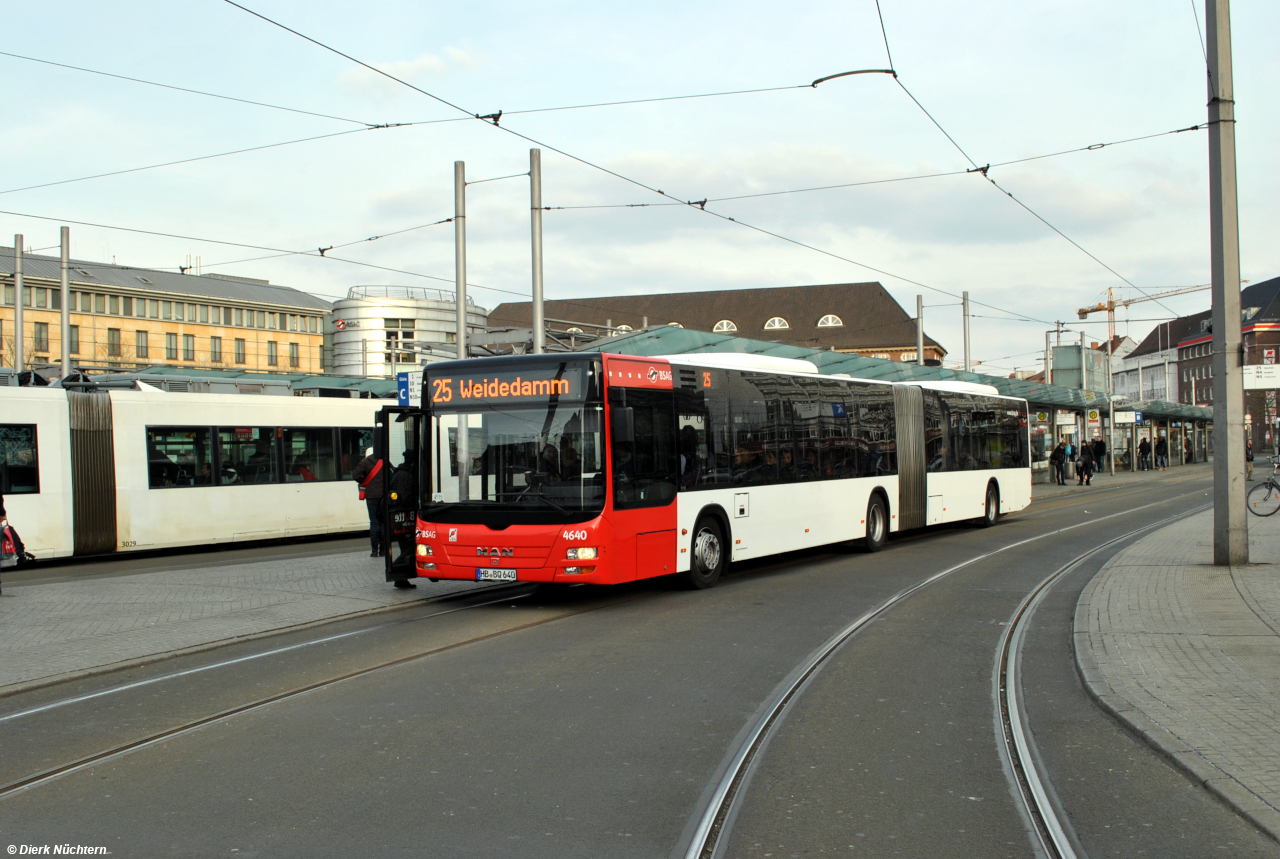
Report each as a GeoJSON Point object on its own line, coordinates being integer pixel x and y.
{"type": "Point", "coordinates": [575, 535]}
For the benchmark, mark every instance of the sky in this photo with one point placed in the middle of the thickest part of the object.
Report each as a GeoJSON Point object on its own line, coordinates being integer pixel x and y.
{"type": "Point", "coordinates": [1006, 81]}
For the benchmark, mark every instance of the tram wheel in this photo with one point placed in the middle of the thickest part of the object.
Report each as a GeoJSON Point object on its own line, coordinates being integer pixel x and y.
{"type": "Point", "coordinates": [991, 511]}
{"type": "Point", "coordinates": [707, 555]}
{"type": "Point", "coordinates": [877, 525]}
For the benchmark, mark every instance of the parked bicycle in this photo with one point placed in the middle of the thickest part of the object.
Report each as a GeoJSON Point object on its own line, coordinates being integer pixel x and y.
{"type": "Point", "coordinates": [1264, 499]}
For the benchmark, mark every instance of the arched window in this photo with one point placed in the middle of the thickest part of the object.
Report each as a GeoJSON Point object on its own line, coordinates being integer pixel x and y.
{"type": "Point", "coordinates": [776, 323]}
{"type": "Point", "coordinates": [621, 329]}
{"type": "Point", "coordinates": [674, 325]}
{"type": "Point", "coordinates": [574, 331]}
{"type": "Point", "coordinates": [831, 321]}
{"type": "Point", "coordinates": [724, 325]}
{"type": "Point", "coordinates": [625, 328]}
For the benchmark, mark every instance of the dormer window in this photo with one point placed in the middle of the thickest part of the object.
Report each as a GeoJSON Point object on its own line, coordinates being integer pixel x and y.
{"type": "Point", "coordinates": [831, 321]}
{"type": "Point", "coordinates": [724, 326]}
{"type": "Point", "coordinates": [776, 323]}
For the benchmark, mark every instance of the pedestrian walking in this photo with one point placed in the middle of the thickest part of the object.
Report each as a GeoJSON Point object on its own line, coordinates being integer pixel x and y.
{"type": "Point", "coordinates": [1058, 459]}
{"type": "Point", "coordinates": [373, 484]}
{"type": "Point", "coordinates": [1248, 466]}
{"type": "Point", "coordinates": [1162, 453]}
{"type": "Point", "coordinates": [1099, 452]}
{"type": "Point", "coordinates": [1084, 465]}
{"type": "Point", "coordinates": [1144, 454]}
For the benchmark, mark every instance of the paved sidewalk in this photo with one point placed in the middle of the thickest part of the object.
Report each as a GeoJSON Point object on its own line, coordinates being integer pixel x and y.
{"type": "Point", "coordinates": [51, 631]}
{"type": "Point", "coordinates": [1188, 655]}
{"type": "Point", "coordinates": [1042, 491]}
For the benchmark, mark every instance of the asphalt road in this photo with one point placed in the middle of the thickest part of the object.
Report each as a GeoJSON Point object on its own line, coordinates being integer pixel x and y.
{"type": "Point", "coordinates": [594, 722]}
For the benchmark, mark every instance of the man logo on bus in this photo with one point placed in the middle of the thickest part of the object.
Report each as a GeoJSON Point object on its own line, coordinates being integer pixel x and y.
{"type": "Point", "coordinates": [495, 552]}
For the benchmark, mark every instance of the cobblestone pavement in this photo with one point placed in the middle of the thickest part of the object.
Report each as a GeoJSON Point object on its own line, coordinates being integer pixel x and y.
{"type": "Point", "coordinates": [55, 630]}
{"type": "Point", "coordinates": [1188, 655]}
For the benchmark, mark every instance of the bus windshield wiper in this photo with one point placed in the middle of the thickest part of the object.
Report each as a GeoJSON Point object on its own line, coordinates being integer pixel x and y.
{"type": "Point", "coordinates": [540, 497]}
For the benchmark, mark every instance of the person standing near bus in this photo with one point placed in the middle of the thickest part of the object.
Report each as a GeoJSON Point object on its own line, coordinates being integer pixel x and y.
{"type": "Point", "coordinates": [1058, 460]}
{"type": "Point", "coordinates": [373, 483]}
{"type": "Point", "coordinates": [1162, 453]}
{"type": "Point", "coordinates": [1144, 454]}
{"type": "Point", "coordinates": [1084, 474]}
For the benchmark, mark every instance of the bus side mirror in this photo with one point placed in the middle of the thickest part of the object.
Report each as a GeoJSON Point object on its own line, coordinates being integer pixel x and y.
{"type": "Point", "coordinates": [622, 424]}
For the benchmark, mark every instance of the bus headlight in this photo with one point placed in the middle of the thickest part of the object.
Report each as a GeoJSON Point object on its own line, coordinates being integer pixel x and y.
{"type": "Point", "coordinates": [424, 550]}
{"type": "Point", "coordinates": [582, 553]}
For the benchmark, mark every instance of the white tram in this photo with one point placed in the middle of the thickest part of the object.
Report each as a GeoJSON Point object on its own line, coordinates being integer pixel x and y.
{"type": "Point", "coordinates": [121, 470]}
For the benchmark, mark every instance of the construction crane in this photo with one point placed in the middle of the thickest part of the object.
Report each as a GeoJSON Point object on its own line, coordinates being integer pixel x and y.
{"type": "Point", "coordinates": [1111, 304]}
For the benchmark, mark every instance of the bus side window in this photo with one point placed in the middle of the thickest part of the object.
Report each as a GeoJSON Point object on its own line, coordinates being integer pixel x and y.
{"type": "Point", "coordinates": [645, 470]}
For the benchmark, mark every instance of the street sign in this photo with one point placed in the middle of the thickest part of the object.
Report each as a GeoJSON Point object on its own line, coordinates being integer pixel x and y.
{"type": "Point", "coordinates": [1261, 376]}
{"type": "Point", "coordinates": [409, 388]}
{"type": "Point", "coordinates": [1066, 419]}
{"type": "Point", "coordinates": [1126, 417]}
{"type": "Point", "coordinates": [1137, 417]}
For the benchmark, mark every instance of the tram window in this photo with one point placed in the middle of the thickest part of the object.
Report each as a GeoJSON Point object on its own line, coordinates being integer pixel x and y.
{"type": "Point", "coordinates": [755, 438]}
{"type": "Point", "coordinates": [645, 469]}
{"type": "Point", "coordinates": [248, 455]}
{"type": "Point", "coordinates": [308, 454]}
{"type": "Point", "coordinates": [352, 443]}
{"type": "Point", "coordinates": [876, 427]}
{"type": "Point", "coordinates": [179, 456]}
{"type": "Point", "coordinates": [19, 460]}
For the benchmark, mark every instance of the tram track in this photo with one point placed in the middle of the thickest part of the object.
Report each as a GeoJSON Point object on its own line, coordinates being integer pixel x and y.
{"type": "Point", "coordinates": [153, 738]}
{"type": "Point", "coordinates": [713, 825]}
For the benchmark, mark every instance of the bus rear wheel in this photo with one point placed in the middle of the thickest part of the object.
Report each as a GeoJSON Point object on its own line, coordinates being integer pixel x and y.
{"type": "Point", "coordinates": [991, 509]}
{"type": "Point", "coordinates": [707, 553]}
{"type": "Point", "coordinates": [877, 525]}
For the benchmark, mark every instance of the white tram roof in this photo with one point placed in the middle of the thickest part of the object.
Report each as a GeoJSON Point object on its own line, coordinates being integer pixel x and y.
{"type": "Point", "coordinates": [745, 361]}
{"type": "Point", "coordinates": [959, 387]}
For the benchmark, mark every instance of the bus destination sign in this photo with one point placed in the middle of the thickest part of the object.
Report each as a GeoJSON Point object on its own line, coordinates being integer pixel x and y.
{"type": "Point", "coordinates": [511, 386]}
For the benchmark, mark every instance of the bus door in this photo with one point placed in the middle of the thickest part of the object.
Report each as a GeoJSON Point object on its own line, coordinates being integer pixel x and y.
{"type": "Point", "coordinates": [645, 466]}
{"type": "Point", "coordinates": [397, 442]}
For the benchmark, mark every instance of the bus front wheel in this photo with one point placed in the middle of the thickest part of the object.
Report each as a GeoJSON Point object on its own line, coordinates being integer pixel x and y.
{"type": "Point", "coordinates": [708, 555]}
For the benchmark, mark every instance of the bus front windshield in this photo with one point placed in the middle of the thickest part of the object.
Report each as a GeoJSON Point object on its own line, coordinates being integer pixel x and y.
{"type": "Point", "coordinates": [532, 464]}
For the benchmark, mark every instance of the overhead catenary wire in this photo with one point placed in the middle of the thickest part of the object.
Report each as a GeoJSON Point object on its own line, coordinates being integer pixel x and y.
{"type": "Point", "coordinates": [202, 158]}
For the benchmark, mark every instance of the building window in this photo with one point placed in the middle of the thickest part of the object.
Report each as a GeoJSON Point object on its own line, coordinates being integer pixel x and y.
{"type": "Point", "coordinates": [41, 332]}
{"type": "Point", "coordinates": [114, 304]}
{"type": "Point", "coordinates": [399, 334]}
{"type": "Point", "coordinates": [153, 308]}
{"type": "Point", "coordinates": [166, 309]}
{"type": "Point", "coordinates": [204, 313]}
{"type": "Point", "coordinates": [86, 302]}
{"type": "Point", "coordinates": [239, 316]}
{"type": "Point", "coordinates": [831, 321]}
{"type": "Point", "coordinates": [99, 303]}
{"type": "Point", "coordinates": [171, 347]}
{"type": "Point", "coordinates": [226, 316]}
{"type": "Point", "coordinates": [126, 306]}
{"type": "Point", "coordinates": [724, 326]}
{"type": "Point", "coordinates": [215, 350]}
{"type": "Point", "coordinates": [293, 322]}
{"type": "Point", "coordinates": [239, 350]}
{"type": "Point", "coordinates": [42, 297]}
{"type": "Point", "coordinates": [177, 311]}
{"type": "Point", "coordinates": [113, 342]}
{"type": "Point", "coordinates": [272, 358]}
{"type": "Point", "coordinates": [73, 347]}
{"type": "Point", "coordinates": [140, 344]}
{"type": "Point", "coordinates": [55, 299]}
{"type": "Point", "coordinates": [262, 319]}
{"type": "Point", "coordinates": [312, 324]}
{"type": "Point", "coordinates": [293, 355]}
{"type": "Point", "coordinates": [188, 347]}
{"type": "Point", "coordinates": [191, 313]}
{"type": "Point", "coordinates": [776, 323]}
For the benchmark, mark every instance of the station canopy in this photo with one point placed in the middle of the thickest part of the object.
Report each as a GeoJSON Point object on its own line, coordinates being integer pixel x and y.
{"type": "Point", "coordinates": [683, 341]}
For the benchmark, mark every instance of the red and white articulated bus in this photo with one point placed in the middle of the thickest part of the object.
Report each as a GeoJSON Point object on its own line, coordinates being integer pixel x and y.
{"type": "Point", "coordinates": [602, 468]}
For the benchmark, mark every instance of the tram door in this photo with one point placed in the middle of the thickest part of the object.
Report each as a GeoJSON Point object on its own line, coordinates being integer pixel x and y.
{"type": "Point", "coordinates": [397, 444]}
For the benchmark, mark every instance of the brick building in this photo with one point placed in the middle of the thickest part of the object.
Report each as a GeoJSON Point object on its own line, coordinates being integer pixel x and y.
{"type": "Point", "coordinates": [125, 318]}
{"type": "Point", "coordinates": [862, 318]}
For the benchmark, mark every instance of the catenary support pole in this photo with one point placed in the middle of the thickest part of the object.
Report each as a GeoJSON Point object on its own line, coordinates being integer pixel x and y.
{"type": "Point", "coordinates": [1111, 409]}
{"type": "Point", "coordinates": [920, 330]}
{"type": "Point", "coordinates": [535, 219]}
{"type": "Point", "coordinates": [1230, 528]}
{"type": "Point", "coordinates": [18, 344]}
{"type": "Point", "coordinates": [1048, 365]}
{"type": "Point", "coordinates": [66, 302]}
{"type": "Point", "coordinates": [964, 300]}
{"type": "Point", "coordinates": [460, 281]}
